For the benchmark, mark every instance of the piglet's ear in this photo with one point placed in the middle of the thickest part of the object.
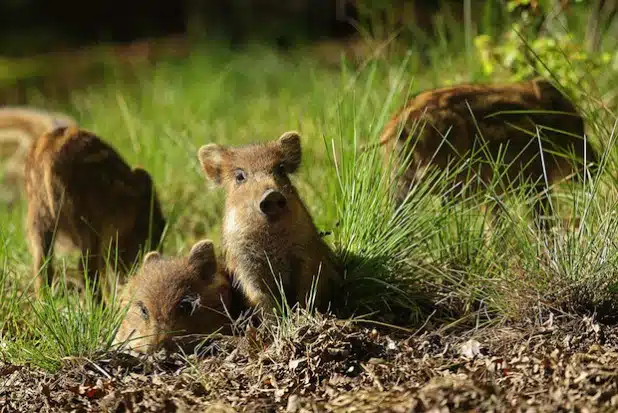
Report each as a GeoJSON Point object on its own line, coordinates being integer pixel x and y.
{"type": "Point", "coordinates": [202, 256]}
{"type": "Point", "coordinates": [211, 158]}
{"type": "Point", "coordinates": [143, 181]}
{"type": "Point", "coordinates": [151, 257]}
{"type": "Point", "coordinates": [291, 150]}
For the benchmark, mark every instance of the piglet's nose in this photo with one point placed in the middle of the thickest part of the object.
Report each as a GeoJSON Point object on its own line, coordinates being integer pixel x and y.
{"type": "Point", "coordinates": [272, 203]}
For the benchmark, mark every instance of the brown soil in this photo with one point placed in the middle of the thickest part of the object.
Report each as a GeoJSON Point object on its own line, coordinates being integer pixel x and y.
{"type": "Point", "coordinates": [561, 364]}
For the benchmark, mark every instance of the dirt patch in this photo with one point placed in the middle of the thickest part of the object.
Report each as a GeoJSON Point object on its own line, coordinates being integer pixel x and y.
{"type": "Point", "coordinates": [566, 364]}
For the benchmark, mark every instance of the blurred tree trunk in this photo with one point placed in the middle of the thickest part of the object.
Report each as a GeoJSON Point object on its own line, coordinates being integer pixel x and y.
{"type": "Point", "coordinates": [556, 18]}
{"type": "Point", "coordinates": [601, 16]}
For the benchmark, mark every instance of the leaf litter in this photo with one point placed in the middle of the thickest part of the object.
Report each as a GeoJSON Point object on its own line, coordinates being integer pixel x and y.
{"type": "Point", "coordinates": [567, 363]}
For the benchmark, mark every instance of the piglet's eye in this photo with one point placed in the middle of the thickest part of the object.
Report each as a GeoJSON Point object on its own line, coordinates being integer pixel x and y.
{"type": "Point", "coordinates": [280, 169]}
{"type": "Point", "coordinates": [189, 304]}
{"type": "Point", "coordinates": [240, 176]}
{"type": "Point", "coordinates": [143, 311]}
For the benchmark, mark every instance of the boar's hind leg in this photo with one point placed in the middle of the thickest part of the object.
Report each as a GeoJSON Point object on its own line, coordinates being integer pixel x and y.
{"type": "Point", "coordinates": [41, 237]}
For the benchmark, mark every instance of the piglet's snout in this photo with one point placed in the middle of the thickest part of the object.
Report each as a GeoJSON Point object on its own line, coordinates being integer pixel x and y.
{"type": "Point", "coordinates": [273, 203]}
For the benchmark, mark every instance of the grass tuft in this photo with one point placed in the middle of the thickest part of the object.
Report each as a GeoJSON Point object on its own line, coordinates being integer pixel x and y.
{"type": "Point", "coordinates": [65, 326]}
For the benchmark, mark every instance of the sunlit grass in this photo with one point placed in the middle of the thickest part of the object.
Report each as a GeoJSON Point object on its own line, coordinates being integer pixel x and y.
{"type": "Point", "coordinates": [431, 255]}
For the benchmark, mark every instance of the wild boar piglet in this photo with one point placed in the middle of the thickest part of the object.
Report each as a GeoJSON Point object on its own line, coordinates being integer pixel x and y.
{"type": "Point", "coordinates": [493, 128]}
{"type": "Point", "coordinates": [175, 302]}
{"type": "Point", "coordinates": [81, 192]}
{"type": "Point", "coordinates": [269, 237]}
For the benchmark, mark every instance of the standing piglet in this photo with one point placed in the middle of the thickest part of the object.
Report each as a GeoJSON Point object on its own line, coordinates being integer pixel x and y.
{"type": "Point", "coordinates": [269, 237]}
{"type": "Point", "coordinates": [173, 299]}
{"type": "Point", "coordinates": [481, 124]}
{"type": "Point", "coordinates": [81, 191]}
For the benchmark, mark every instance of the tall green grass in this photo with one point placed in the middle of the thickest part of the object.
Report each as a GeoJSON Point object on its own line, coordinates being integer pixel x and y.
{"type": "Point", "coordinates": [64, 327]}
{"type": "Point", "coordinates": [431, 256]}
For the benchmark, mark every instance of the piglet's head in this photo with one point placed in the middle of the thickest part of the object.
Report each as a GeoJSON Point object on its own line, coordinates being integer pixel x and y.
{"type": "Point", "coordinates": [256, 177]}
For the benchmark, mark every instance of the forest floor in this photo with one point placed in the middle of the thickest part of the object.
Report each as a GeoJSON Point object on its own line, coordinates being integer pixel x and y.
{"type": "Point", "coordinates": [561, 364]}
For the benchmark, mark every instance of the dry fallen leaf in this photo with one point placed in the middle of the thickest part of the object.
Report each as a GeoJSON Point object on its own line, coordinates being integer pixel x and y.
{"type": "Point", "coordinates": [293, 404]}
{"type": "Point", "coordinates": [470, 349]}
{"type": "Point", "coordinates": [293, 364]}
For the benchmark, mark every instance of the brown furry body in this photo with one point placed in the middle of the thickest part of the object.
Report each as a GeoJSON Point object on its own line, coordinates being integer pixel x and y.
{"type": "Point", "coordinates": [283, 240]}
{"type": "Point", "coordinates": [173, 298]}
{"type": "Point", "coordinates": [79, 189]}
{"type": "Point", "coordinates": [19, 127]}
{"type": "Point", "coordinates": [470, 109]}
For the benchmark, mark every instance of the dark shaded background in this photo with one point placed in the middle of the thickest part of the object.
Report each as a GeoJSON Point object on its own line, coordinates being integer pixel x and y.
{"type": "Point", "coordinates": [34, 26]}
{"type": "Point", "coordinates": [29, 26]}
{"type": "Point", "coordinates": [50, 47]}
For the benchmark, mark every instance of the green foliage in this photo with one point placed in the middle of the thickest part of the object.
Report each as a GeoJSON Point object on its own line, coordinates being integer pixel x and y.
{"type": "Point", "coordinates": [545, 39]}
{"type": "Point", "coordinates": [562, 57]}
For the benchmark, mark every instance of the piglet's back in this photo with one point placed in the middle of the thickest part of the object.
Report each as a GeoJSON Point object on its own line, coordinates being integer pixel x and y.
{"type": "Point", "coordinates": [81, 160]}
{"type": "Point", "coordinates": [499, 111]}
{"type": "Point", "coordinates": [73, 162]}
